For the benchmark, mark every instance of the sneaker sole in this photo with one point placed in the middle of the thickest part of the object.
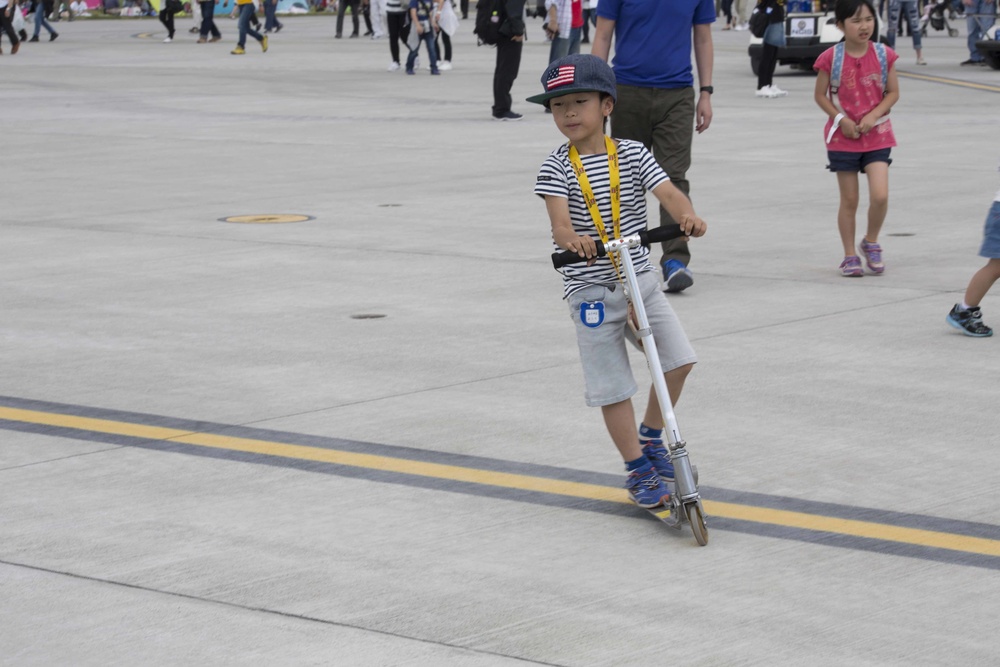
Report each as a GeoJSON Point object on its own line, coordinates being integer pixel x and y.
{"type": "Point", "coordinates": [958, 325]}
{"type": "Point", "coordinates": [664, 501]}
{"type": "Point", "coordinates": [678, 281]}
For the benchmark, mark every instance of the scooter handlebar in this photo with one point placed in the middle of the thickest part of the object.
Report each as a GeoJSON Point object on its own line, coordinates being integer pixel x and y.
{"type": "Point", "coordinates": [646, 237]}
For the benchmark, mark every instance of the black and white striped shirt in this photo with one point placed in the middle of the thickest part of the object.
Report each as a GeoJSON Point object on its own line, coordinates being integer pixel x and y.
{"type": "Point", "coordinates": [639, 172]}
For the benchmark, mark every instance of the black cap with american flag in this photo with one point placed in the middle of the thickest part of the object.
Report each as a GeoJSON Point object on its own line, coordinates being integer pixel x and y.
{"type": "Point", "coordinates": [576, 73]}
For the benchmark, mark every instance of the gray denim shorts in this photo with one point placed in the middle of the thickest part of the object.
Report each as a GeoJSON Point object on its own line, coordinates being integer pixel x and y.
{"type": "Point", "coordinates": [606, 369]}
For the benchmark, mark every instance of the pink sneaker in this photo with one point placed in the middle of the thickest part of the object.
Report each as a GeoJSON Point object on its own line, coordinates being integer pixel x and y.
{"type": "Point", "coordinates": [873, 256]}
{"type": "Point", "coordinates": [851, 267]}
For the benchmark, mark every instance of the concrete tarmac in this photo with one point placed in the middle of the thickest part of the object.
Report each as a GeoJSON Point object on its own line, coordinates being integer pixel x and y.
{"type": "Point", "coordinates": [360, 438]}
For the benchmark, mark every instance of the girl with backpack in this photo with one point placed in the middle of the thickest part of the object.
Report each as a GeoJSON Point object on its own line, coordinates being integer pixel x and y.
{"type": "Point", "coordinates": [856, 86]}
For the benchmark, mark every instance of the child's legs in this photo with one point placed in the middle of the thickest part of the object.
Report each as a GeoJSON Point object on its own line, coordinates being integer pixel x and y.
{"type": "Point", "coordinates": [428, 38]}
{"type": "Point", "coordinates": [986, 276]}
{"type": "Point", "coordinates": [675, 383]}
{"type": "Point", "coordinates": [411, 58]}
{"type": "Point", "coordinates": [981, 282]}
{"type": "Point", "coordinates": [673, 348]}
{"type": "Point", "coordinates": [848, 183]}
{"type": "Point", "coordinates": [878, 198]}
{"type": "Point", "coordinates": [619, 418]}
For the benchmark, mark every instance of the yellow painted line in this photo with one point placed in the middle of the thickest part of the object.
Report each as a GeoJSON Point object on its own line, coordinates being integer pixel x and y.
{"type": "Point", "coordinates": [306, 453]}
{"type": "Point", "coordinates": [951, 82]}
{"type": "Point", "coordinates": [786, 518]}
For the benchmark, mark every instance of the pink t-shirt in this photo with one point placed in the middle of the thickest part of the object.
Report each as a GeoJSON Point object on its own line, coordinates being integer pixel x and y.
{"type": "Point", "coordinates": [860, 92]}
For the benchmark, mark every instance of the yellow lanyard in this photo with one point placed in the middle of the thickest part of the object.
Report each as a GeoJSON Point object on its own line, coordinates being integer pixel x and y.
{"type": "Point", "coordinates": [588, 193]}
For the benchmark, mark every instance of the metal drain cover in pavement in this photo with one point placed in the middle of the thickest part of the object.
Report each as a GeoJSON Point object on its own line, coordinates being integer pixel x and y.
{"type": "Point", "coordinates": [269, 219]}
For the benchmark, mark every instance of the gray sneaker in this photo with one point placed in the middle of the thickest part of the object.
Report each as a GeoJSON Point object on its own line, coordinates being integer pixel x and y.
{"type": "Point", "coordinates": [969, 321]}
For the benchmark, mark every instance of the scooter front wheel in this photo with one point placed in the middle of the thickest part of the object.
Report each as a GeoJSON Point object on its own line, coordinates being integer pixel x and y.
{"type": "Point", "coordinates": [697, 520]}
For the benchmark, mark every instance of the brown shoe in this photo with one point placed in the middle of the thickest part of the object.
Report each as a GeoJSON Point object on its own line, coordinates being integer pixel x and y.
{"type": "Point", "coordinates": [214, 39]}
{"type": "Point", "coordinates": [202, 40]}
{"type": "Point", "coordinates": [15, 47]}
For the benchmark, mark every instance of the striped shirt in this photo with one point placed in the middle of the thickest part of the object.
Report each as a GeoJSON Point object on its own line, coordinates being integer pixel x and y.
{"type": "Point", "coordinates": [639, 172]}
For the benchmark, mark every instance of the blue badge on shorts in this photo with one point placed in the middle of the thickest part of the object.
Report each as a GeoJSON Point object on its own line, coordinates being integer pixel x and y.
{"type": "Point", "coordinates": [592, 314]}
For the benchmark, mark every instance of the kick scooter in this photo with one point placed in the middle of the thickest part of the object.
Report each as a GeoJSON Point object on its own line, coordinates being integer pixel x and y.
{"type": "Point", "coordinates": [685, 501]}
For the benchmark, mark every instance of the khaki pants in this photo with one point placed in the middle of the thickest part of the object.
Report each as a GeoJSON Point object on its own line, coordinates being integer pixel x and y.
{"type": "Point", "coordinates": [740, 12]}
{"type": "Point", "coordinates": [663, 120]}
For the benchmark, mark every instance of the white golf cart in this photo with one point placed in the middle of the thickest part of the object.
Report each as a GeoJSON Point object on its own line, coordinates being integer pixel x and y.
{"type": "Point", "coordinates": [807, 35]}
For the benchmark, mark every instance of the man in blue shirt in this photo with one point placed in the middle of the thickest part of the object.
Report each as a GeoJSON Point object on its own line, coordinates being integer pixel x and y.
{"type": "Point", "coordinates": [656, 99]}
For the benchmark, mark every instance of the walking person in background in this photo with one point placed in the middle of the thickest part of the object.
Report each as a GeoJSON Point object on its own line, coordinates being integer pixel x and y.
{"type": "Point", "coordinates": [557, 27]}
{"type": "Point", "coordinates": [907, 8]}
{"type": "Point", "coordinates": [398, 25]}
{"type": "Point", "coordinates": [366, 14]}
{"type": "Point", "coordinates": [7, 9]}
{"type": "Point", "coordinates": [448, 24]}
{"type": "Point", "coordinates": [727, 10]}
{"type": "Point", "coordinates": [247, 8]}
{"type": "Point", "coordinates": [589, 17]}
{"type": "Point", "coordinates": [377, 12]}
{"type": "Point", "coordinates": [195, 16]}
{"type": "Point", "coordinates": [967, 315]}
{"type": "Point", "coordinates": [980, 16]}
{"type": "Point", "coordinates": [654, 40]}
{"type": "Point", "coordinates": [741, 16]}
{"type": "Point", "coordinates": [208, 26]}
{"type": "Point", "coordinates": [271, 22]}
{"type": "Point", "coordinates": [355, 20]}
{"type": "Point", "coordinates": [774, 39]}
{"type": "Point", "coordinates": [424, 25]}
{"type": "Point", "coordinates": [166, 15]}
{"type": "Point", "coordinates": [858, 131]}
{"type": "Point", "coordinates": [42, 7]}
{"type": "Point", "coordinates": [509, 46]}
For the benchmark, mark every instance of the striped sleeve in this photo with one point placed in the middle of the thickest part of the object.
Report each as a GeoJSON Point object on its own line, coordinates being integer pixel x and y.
{"type": "Point", "coordinates": [552, 178]}
{"type": "Point", "coordinates": [651, 174]}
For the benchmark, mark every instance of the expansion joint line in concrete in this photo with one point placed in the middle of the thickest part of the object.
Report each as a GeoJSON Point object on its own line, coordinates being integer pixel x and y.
{"type": "Point", "coordinates": [265, 610]}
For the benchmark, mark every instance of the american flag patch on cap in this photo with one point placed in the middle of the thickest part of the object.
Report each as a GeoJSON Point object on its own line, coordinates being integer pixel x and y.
{"type": "Point", "coordinates": [559, 76]}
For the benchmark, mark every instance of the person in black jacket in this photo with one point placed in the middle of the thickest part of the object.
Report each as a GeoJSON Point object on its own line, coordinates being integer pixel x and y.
{"type": "Point", "coordinates": [508, 59]}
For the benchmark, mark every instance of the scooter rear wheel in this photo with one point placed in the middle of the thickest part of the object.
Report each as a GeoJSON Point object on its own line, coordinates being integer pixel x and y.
{"type": "Point", "coordinates": [697, 521]}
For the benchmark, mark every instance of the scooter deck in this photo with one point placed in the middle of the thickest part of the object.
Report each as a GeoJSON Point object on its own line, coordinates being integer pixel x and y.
{"type": "Point", "coordinates": [672, 516]}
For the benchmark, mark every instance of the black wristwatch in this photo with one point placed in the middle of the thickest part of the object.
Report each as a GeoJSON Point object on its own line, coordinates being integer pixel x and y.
{"type": "Point", "coordinates": [708, 89]}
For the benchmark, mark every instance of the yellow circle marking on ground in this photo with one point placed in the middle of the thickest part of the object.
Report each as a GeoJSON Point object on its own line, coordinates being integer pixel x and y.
{"type": "Point", "coordinates": [268, 219]}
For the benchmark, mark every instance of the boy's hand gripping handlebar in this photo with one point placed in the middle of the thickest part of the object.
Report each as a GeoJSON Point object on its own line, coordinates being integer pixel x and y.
{"type": "Point", "coordinates": [645, 237]}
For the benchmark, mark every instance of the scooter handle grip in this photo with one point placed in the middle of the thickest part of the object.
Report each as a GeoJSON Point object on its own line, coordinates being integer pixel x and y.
{"type": "Point", "coordinates": [561, 259]}
{"type": "Point", "coordinates": [647, 236]}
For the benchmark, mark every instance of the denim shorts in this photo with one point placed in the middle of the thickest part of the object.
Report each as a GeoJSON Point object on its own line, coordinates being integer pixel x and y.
{"type": "Point", "coordinates": [607, 371]}
{"type": "Point", "coordinates": [991, 233]}
{"type": "Point", "coordinates": [850, 161]}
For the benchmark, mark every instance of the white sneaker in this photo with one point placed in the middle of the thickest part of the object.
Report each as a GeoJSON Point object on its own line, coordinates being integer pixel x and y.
{"type": "Point", "coordinates": [771, 92]}
{"type": "Point", "coordinates": [168, 40]}
{"type": "Point", "coordinates": [444, 65]}
{"type": "Point", "coordinates": [392, 67]}
{"type": "Point", "coordinates": [742, 26]}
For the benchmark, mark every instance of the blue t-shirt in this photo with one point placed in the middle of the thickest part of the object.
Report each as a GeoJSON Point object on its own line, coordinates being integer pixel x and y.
{"type": "Point", "coordinates": [423, 9]}
{"type": "Point", "coordinates": [653, 39]}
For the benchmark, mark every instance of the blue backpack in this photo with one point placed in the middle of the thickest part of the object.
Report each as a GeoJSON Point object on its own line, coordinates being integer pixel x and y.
{"type": "Point", "coordinates": [838, 66]}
